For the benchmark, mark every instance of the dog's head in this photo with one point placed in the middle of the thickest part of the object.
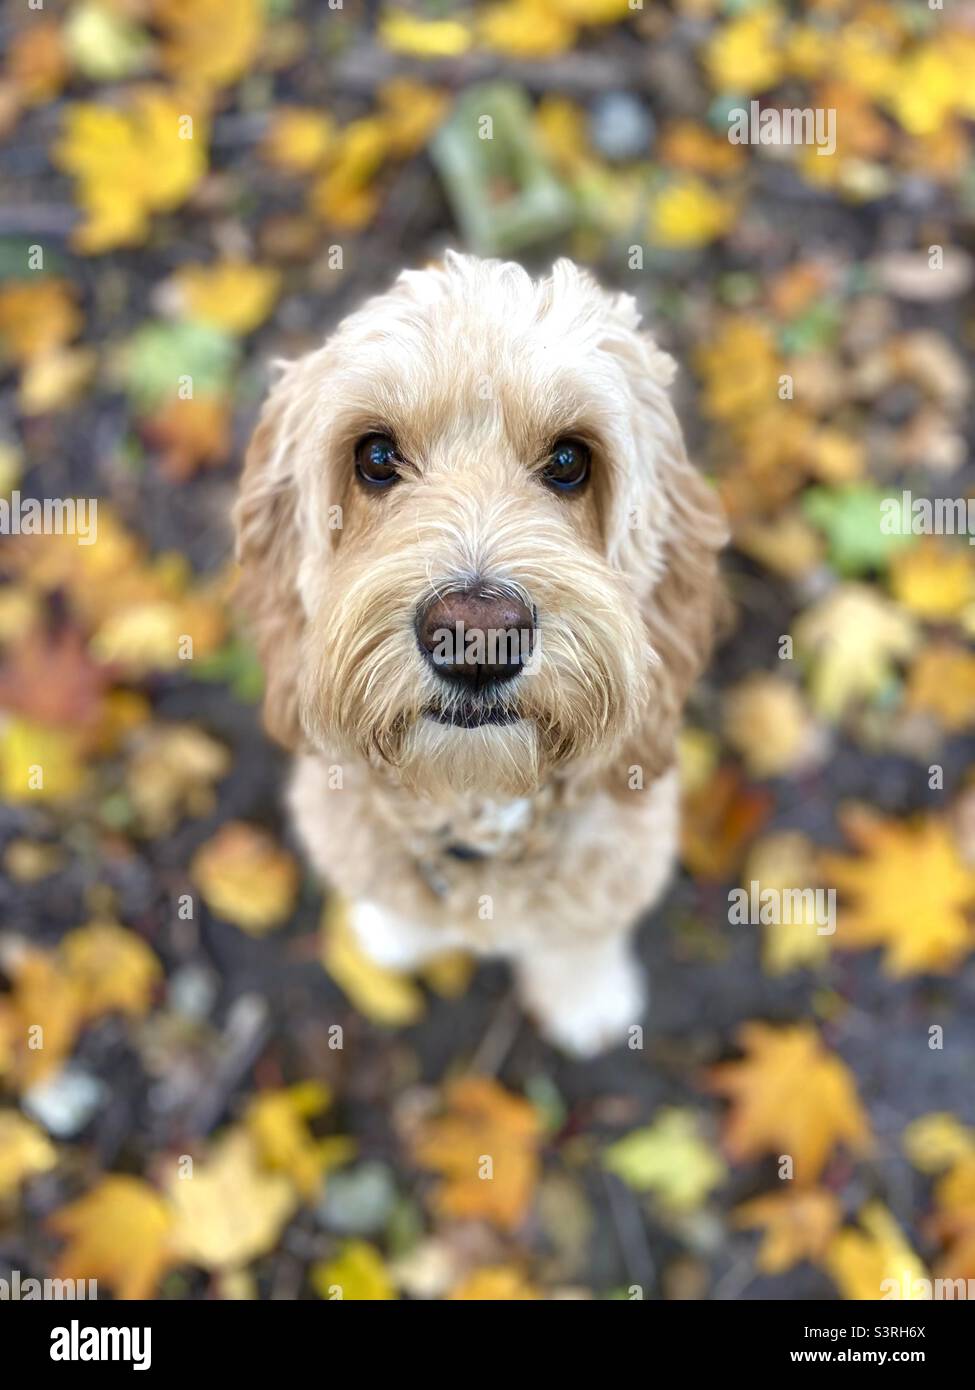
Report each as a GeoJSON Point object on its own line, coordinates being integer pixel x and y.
{"type": "Point", "coordinates": [472, 546]}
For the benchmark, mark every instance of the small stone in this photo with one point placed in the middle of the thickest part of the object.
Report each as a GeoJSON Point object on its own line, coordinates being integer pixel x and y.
{"type": "Point", "coordinates": [621, 127]}
{"type": "Point", "coordinates": [66, 1102]}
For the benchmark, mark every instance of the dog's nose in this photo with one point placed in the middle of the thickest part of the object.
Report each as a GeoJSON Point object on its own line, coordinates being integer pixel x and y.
{"type": "Point", "coordinates": [476, 635]}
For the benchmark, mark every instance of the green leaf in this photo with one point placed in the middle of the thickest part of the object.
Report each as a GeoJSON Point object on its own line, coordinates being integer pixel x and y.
{"type": "Point", "coordinates": [160, 356]}
{"type": "Point", "coordinates": [670, 1159]}
{"type": "Point", "coordinates": [849, 517]}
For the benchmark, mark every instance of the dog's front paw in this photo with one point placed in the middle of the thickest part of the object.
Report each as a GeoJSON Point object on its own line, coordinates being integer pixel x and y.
{"type": "Point", "coordinates": [585, 999]}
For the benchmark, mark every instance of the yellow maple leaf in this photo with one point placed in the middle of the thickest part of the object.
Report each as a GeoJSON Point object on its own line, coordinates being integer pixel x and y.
{"type": "Point", "coordinates": [848, 642]}
{"type": "Point", "coordinates": [210, 42]}
{"type": "Point", "coordinates": [746, 55]}
{"type": "Point", "coordinates": [909, 891]}
{"type": "Point", "coordinates": [412, 112]}
{"type": "Point", "coordinates": [526, 28]}
{"type": "Point", "coordinates": [278, 1122]}
{"type": "Point", "coordinates": [385, 996]}
{"type": "Point", "coordinates": [40, 763]}
{"type": "Point", "coordinates": [942, 683]}
{"type": "Point", "coordinates": [937, 1141]}
{"type": "Point", "coordinates": [229, 1210]}
{"type": "Point", "coordinates": [772, 1113]}
{"type": "Point", "coordinates": [740, 366]}
{"type": "Point", "coordinates": [593, 12]}
{"type": "Point", "coordinates": [494, 1284]}
{"type": "Point", "coordinates": [423, 38]}
{"type": "Point", "coordinates": [233, 295]}
{"type": "Point", "coordinates": [118, 1233]}
{"type": "Point", "coordinates": [935, 580]}
{"type": "Point", "coordinates": [298, 138]}
{"type": "Point", "coordinates": [41, 1017]}
{"type": "Point", "coordinates": [486, 1147]}
{"type": "Point", "coordinates": [798, 1224]}
{"type": "Point", "coordinates": [130, 161]}
{"type": "Point", "coordinates": [24, 1150]}
{"type": "Point", "coordinates": [37, 316]}
{"type": "Point", "coordinates": [114, 970]}
{"type": "Point", "coordinates": [344, 195]}
{"type": "Point", "coordinates": [356, 1273]}
{"type": "Point", "coordinates": [687, 212]}
{"type": "Point", "coordinates": [246, 877]}
{"type": "Point", "coordinates": [923, 90]}
{"type": "Point", "coordinates": [862, 1261]}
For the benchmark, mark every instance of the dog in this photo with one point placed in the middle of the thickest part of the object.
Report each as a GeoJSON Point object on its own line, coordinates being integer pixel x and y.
{"type": "Point", "coordinates": [482, 576]}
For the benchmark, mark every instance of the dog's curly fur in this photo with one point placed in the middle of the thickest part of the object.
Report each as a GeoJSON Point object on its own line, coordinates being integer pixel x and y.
{"type": "Point", "coordinates": [567, 814]}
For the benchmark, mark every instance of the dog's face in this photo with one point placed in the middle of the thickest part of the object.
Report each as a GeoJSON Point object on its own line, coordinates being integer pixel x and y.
{"type": "Point", "coordinates": [470, 539]}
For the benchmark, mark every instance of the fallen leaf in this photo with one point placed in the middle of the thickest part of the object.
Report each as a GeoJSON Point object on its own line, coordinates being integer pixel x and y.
{"type": "Point", "coordinates": [423, 38]}
{"type": "Point", "coordinates": [848, 643]}
{"type": "Point", "coordinates": [861, 1260]}
{"type": "Point", "coordinates": [210, 42]}
{"type": "Point", "coordinates": [745, 55]}
{"type": "Point", "coordinates": [118, 1234]}
{"type": "Point", "coordinates": [670, 1159]}
{"type": "Point", "coordinates": [941, 683]}
{"type": "Point", "coordinates": [937, 1141]}
{"type": "Point", "coordinates": [172, 773]}
{"type": "Point", "coordinates": [130, 161]}
{"type": "Point", "coordinates": [767, 722]}
{"type": "Point", "coordinates": [37, 316]}
{"type": "Point", "coordinates": [298, 139]}
{"type": "Point", "coordinates": [771, 1113]}
{"type": "Point", "coordinates": [229, 1210]}
{"type": "Point", "coordinates": [935, 580]}
{"type": "Point", "coordinates": [24, 1151]}
{"type": "Point", "coordinates": [246, 878]}
{"type": "Point", "coordinates": [189, 434]}
{"type": "Point", "coordinates": [39, 763]}
{"type": "Point", "coordinates": [387, 997]}
{"type": "Point", "coordinates": [495, 1284]}
{"type": "Point", "coordinates": [908, 891]}
{"type": "Point", "coordinates": [56, 380]}
{"type": "Point", "coordinates": [720, 819]}
{"type": "Point", "coordinates": [687, 213]}
{"type": "Point", "coordinates": [357, 1272]}
{"type": "Point", "coordinates": [114, 970]}
{"type": "Point", "coordinates": [278, 1123]}
{"type": "Point", "coordinates": [235, 296]}
{"type": "Point", "coordinates": [798, 1224]}
{"type": "Point", "coordinates": [786, 862]}
{"type": "Point", "coordinates": [40, 1018]}
{"type": "Point", "coordinates": [849, 517]}
{"type": "Point", "coordinates": [485, 1146]}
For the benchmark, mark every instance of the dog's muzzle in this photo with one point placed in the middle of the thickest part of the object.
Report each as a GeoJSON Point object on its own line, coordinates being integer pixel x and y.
{"type": "Point", "coordinates": [476, 637]}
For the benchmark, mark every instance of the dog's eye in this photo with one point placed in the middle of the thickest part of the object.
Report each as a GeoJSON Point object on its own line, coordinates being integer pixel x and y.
{"type": "Point", "coordinates": [376, 460]}
{"type": "Point", "coordinates": [568, 465]}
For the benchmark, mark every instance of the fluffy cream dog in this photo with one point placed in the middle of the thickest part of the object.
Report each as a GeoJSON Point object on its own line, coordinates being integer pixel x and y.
{"type": "Point", "coordinates": [482, 575]}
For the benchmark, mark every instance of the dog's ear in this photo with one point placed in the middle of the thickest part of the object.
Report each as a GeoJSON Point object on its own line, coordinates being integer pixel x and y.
{"type": "Point", "coordinates": [671, 528]}
{"type": "Point", "coordinates": [267, 553]}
